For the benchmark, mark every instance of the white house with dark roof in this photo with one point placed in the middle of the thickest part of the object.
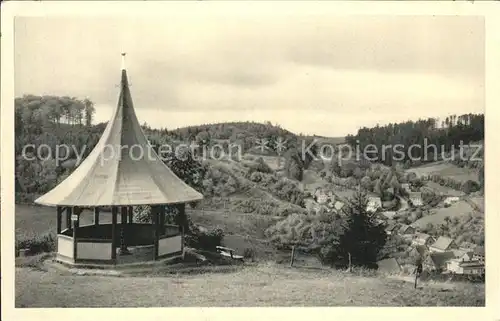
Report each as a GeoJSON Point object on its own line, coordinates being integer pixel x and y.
{"type": "Point", "coordinates": [416, 198]}
{"type": "Point", "coordinates": [374, 203]}
{"type": "Point", "coordinates": [443, 244]}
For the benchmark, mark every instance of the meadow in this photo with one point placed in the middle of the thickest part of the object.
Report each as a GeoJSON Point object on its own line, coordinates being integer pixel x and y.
{"type": "Point", "coordinates": [249, 286]}
{"type": "Point", "coordinates": [457, 209]}
{"type": "Point", "coordinates": [445, 169]}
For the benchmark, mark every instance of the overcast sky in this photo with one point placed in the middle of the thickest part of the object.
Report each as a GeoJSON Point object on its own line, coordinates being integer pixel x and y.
{"type": "Point", "coordinates": [321, 75]}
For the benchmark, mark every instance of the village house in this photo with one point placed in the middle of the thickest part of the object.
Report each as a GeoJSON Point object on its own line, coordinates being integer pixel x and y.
{"type": "Point", "coordinates": [416, 198]}
{"type": "Point", "coordinates": [458, 266]}
{"type": "Point", "coordinates": [467, 246]}
{"type": "Point", "coordinates": [338, 206]}
{"type": "Point", "coordinates": [438, 261]}
{"type": "Point", "coordinates": [388, 214]}
{"type": "Point", "coordinates": [374, 203]}
{"type": "Point", "coordinates": [423, 239]}
{"type": "Point", "coordinates": [464, 256]}
{"type": "Point", "coordinates": [406, 187]}
{"type": "Point", "coordinates": [450, 200]}
{"type": "Point", "coordinates": [320, 196]}
{"type": "Point", "coordinates": [478, 254]}
{"type": "Point", "coordinates": [443, 244]}
{"type": "Point", "coordinates": [391, 228]}
{"type": "Point", "coordinates": [406, 230]}
{"type": "Point", "coordinates": [418, 250]}
{"type": "Point", "coordinates": [473, 268]}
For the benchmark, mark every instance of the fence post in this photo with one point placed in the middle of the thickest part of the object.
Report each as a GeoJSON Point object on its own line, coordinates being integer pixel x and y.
{"type": "Point", "coordinates": [292, 258]}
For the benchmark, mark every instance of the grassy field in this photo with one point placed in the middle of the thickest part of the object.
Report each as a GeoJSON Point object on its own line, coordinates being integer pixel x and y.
{"type": "Point", "coordinates": [262, 285]}
{"type": "Point", "coordinates": [455, 210]}
{"type": "Point", "coordinates": [445, 169]}
{"type": "Point", "coordinates": [442, 190]}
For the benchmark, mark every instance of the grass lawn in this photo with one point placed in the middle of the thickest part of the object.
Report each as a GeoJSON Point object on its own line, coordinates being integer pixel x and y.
{"type": "Point", "coordinates": [455, 210]}
{"type": "Point", "coordinates": [446, 170]}
{"type": "Point", "coordinates": [263, 285]}
{"type": "Point", "coordinates": [442, 190]}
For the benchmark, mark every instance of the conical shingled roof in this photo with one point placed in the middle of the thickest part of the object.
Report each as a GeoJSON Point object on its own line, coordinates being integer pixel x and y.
{"type": "Point", "coordinates": [106, 179]}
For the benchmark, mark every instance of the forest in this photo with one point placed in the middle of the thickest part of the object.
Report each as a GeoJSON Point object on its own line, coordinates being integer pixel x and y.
{"type": "Point", "coordinates": [446, 136]}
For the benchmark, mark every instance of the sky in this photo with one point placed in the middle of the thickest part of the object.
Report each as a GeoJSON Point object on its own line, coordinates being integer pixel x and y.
{"type": "Point", "coordinates": [312, 74]}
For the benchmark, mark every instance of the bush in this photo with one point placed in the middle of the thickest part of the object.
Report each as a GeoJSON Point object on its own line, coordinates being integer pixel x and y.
{"type": "Point", "coordinates": [470, 187]}
{"type": "Point", "coordinates": [249, 253]}
{"type": "Point", "coordinates": [45, 243]}
{"type": "Point", "coordinates": [205, 240]}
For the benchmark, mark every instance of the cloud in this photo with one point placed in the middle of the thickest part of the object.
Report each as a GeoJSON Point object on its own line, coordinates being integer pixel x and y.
{"type": "Point", "coordinates": [208, 68]}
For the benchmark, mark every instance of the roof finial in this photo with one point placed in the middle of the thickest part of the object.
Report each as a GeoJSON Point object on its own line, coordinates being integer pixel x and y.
{"type": "Point", "coordinates": [123, 60]}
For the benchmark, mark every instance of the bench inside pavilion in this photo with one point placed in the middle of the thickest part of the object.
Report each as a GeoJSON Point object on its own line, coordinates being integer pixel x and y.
{"type": "Point", "coordinates": [117, 175]}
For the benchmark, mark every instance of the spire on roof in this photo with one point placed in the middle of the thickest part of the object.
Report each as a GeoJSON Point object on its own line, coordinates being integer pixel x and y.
{"type": "Point", "coordinates": [123, 60]}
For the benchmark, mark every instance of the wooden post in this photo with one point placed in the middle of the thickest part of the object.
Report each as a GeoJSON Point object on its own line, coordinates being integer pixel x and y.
{"type": "Point", "coordinates": [182, 216]}
{"type": "Point", "coordinates": [130, 214]}
{"type": "Point", "coordinates": [123, 245]}
{"type": "Point", "coordinates": [114, 212]}
{"type": "Point", "coordinates": [96, 216]}
{"type": "Point", "coordinates": [161, 209]}
{"type": "Point", "coordinates": [154, 210]}
{"type": "Point", "coordinates": [59, 219]}
{"type": "Point", "coordinates": [350, 262]}
{"type": "Point", "coordinates": [76, 224]}
{"type": "Point", "coordinates": [182, 242]}
{"type": "Point", "coordinates": [124, 211]}
{"type": "Point", "coordinates": [292, 258]}
{"type": "Point", "coordinates": [69, 211]}
{"type": "Point", "coordinates": [416, 278]}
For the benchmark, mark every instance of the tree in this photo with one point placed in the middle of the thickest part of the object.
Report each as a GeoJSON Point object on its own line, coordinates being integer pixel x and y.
{"type": "Point", "coordinates": [360, 238]}
{"type": "Point", "coordinates": [89, 112]}
{"type": "Point", "coordinates": [366, 183]}
{"type": "Point", "coordinates": [294, 166]}
{"type": "Point", "coordinates": [470, 187]}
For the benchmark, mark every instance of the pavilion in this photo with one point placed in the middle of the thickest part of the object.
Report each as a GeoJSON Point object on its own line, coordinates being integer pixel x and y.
{"type": "Point", "coordinates": [121, 172]}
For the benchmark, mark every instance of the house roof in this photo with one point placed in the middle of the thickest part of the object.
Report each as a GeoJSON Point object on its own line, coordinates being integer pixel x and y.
{"type": "Point", "coordinates": [404, 228]}
{"type": "Point", "coordinates": [442, 243]}
{"type": "Point", "coordinates": [422, 237]}
{"type": "Point", "coordinates": [338, 205]}
{"type": "Point", "coordinates": [389, 214]}
{"type": "Point", "coordinates": [439, 259]}
{"type": "Point", "coordinates": [468, 245]}
{"type": "Point", "coordinates": [117, 174]}
{"type": "Point", "coordinates": [472, 264]}
{"type": "Point", "coordinates": [391, 226]}
{"type": "Point", "coordinates": [421, 249]}
{"type": "Point", "coordinates": [389, 265]}
{"type": "Point", "coordinates": [415, 194]}
{"type": "Point", "coordinates": [460, 253]}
